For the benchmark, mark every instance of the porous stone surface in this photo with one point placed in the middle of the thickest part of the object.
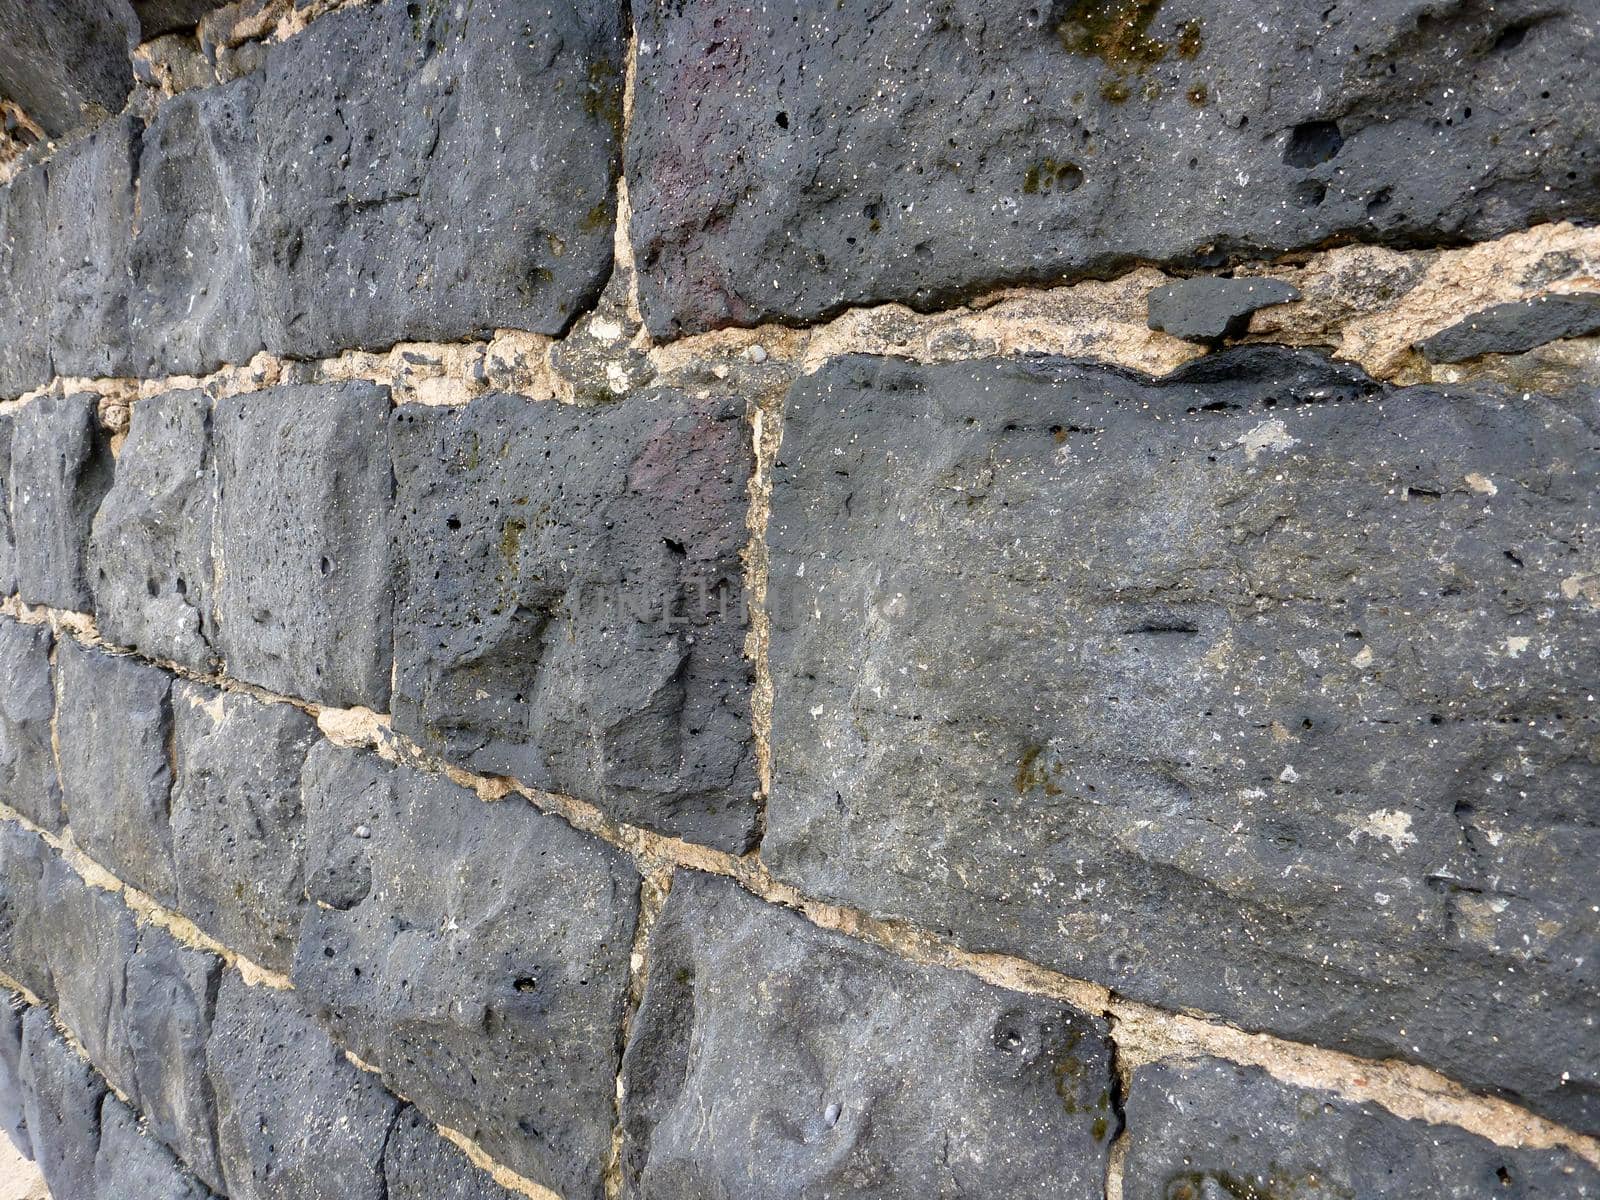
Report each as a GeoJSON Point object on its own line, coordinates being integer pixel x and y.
{"type": "Point", "coordinates": [61, 1097]}
{"type": "Point", "coordinates": [1514, 328]}
{"type": "Point", "coordinates": [1210, 308]}
{"type": "Point", "coordinates": [24, 952]}
{"type": "Point", "coordinates": [1207, 1128]}
{"type": "Point", "coordinates": [128, 1164]}
{"type": "Point", "coordinates": [782, 168]}
{"type": "Point", "coordinates": [61, 468]}
{"type": "Point", "coordinates": [418, 1164]}
{"type": "Point", "coordinates": [114, 735]}
{"type": "Point", "coordinates": [772, 1059]}
{"type": "Point", "coordinates": [304, 595]}
{"type": "Point", "coordinates": [238, 828]}
{"type": "Point", "coordinates": [28, 779]}
{"type": "Point", "coordinates": [456, 162]}
{"type": "Point", "coordinates": [150, 562]}
{"type": "Point", "coordinates": [193, 305]}
{"type": "Point", "coordinates": [295, 1119]}
{"type": "Point", "coordinates": [1260, 658]}
{"type": "Point", "coordinates": [25, 300]}
{"type": "Point", "coordinates": [570, 603]}
{"type": "Point", "coordinates": [89, 207]}
{"type": "Point", "coordinates": [475, 953]}
{"type": "Point", "coordinates": [66, 62]}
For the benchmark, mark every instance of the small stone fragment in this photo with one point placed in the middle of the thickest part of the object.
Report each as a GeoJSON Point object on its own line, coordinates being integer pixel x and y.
{"type": "Point", "coordinates": [1209, 308]}
{"type": "Point", "coordinates": [1515, 327]}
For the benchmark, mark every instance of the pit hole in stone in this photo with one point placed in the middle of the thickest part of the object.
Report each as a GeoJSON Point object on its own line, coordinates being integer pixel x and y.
{"type": "Point", "coordinates": [1313, 143]}
{"type": "Point", "coordinates": [525, 984]}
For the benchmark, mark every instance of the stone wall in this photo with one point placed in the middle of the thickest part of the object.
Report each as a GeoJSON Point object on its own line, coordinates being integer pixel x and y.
{"type": "Point", "coordinates": [740, 600]}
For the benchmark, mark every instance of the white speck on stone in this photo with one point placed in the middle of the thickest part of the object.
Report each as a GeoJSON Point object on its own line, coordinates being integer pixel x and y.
{"type": "Point", "coordinates": [1388, 825]}
{"type": "Point", "coordinates": [1269, 435]}
{"type": "Point", "coordinates": [1481, 484]}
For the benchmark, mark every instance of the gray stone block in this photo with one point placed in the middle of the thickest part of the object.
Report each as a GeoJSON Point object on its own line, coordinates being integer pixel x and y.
{"type": "Point", "coordinates": [61, 468]}
{"type": "Point", "coordinates": [570, 609]}
{"type": "Point", "coordinates": [170, 994]}
{"type": "Point", "coordinates": [114, 733]}
{"type": "Point", "coordinates": [67, 62]}
{"type": "Point", "coordinates": [1208, 309]}
{"type": "Point", "coordinates": [194, 305]}
{"type": "Point", "coordinates": [13, 1118]}
{"type": "Point", "coordinates": [434, 172]}
{"type": "Point", "coordinates": [1260, 657]}
{"type": "Point", "coordinates": [150, 558]}
{"type": "Point", "coordinates": [295, 1120]}
{"type": "Point", "coordinates": [157, 17]}
{"type": "Point", "coordinates": [418, 1164]}
{"type": "Point", "coordinates": [1207, 1128]}
{"type": "Point", "coordinates": [89, 206]}
{"type": "Point", "coordinates": [477, 954]}
{"type": "Point", "coordinates": [89, 938]}
{"type": "Point", "coordinates": [303, 606]}
{"type": "Point", "coordinates": [8, 541]}
{"type": "Point", "coordinates": [771, 1059]}
{"type": "Point", "coordinates": [785, 164]}
{"type": "Point", "coordinates": [24, 953]}
{"type": "Point", "coordinates": [25, 300]}
{"type": "Point", "coordinates": [28, 779]}
{"type": "Point", "coordinates": [1513, 328]}
{"type": "Point", "coordinates": [130, 1166]}
{"type": "Point", "coordinates": [62, 1097]}
{"type": "Point", "coordinates": [238, 830]}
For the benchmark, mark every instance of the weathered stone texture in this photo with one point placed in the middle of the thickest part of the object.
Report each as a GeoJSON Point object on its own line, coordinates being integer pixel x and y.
{"type": "Point", "coordinates": [61, 468]}
{"type": "Point", "coordinates": [66, 62]}
{"type": "Point", "coordinates": [28, 780]}
{"type": "Point", "coordinates": [1206, 1128]}
{"type": "Point", "coordinates": [25, 300]}
{"type": "Point", "coordinates": [238, 829]}
{"type": "Point", "coordinates": [420, 1165]}
{"type": "Point", "coordinates": [62, 1097]}
{"type": "Point", "coordinates": [787, 161]}
{"type": "Point", "coordinates": [129, 1165]}
{"type": "Point", "coordinates": [432, 172]}
{"type": "Point", "coordinates": [296, 1121]}
{"type": "Point", "coordinates": [1258, 689]}
{"type": "Point", "coordinates": [13, 1118]}
{"type": "Point", "coordinates": [476, 953]}
{"type": "Point", "coordinates": [150, 550]}
{"type": "Point", "coordinates": [24, 949]}
{"type": "Point", "coordinates": [89, 208]}
{"type": "Point", "coordinates": [194, 305]}
{"type": "Point", "coordinates": [8, 541]}
{"type": "Point", "coordinates": [771, 1059]}
{"type": "Point", "coordinates": [304, 597]}
{"type": "Point", "coordinates": [570, 607]}
{"type": "Point", "coordinates": [115, 735]}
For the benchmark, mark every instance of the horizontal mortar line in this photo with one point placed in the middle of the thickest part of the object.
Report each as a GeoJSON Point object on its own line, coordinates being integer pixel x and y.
{"type": "Point", "coordinates": [1150, 1032]}
{"type": "Point", "coordinates": [147, 910]}
{"type": "Point", "coordinates": [807, 347]}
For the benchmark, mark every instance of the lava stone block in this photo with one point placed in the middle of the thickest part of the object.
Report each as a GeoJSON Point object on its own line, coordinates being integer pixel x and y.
{"type": "Point", "coordinates": [66, 63]}
{"type": "Point", "coordinates": [418, 1164]}
{"type": "Point", "coordinates": [193, 305]}
{"type": "Point", "coordinates": [1261, 658]}
{"type": "Point", "coordinates": [114, 733]}
{"type": "Point", "coordinates": [1207, 1128]}
{"type": "Point", "coordinates": [26, 267]}
{"type": "Point", "coordinates": [434, 171]}
{"type": "Point", "coordinates": [89, 207]}
{"type": "Point", "coordinates": [8, 541]}
{"type": "Point", "coordinates": [303, 603]}
{"type": "Point", "coordinates": [24, 949]}
{"type": "Point", "coordinates": [570, 609]}
{"type": "Point", "coordinates": [477, 954]}
{"type": "Point", "coordinates": [238, 830]}
{"type": "Point", "coordinates": [1513, 328]}
{"type": "Point", "coordinates": [296, 1120]}
{"type": "Point", "coordinates": [169, 995]}
{"type": "Point", "coordinates": [129, 1164]}
{"type": "Point", "coordinates": [150, 558]}
{"type": "Point", "coordinates": [13, 1120]}
{"type": "Point", "coordinates": [28, 780]}
{"type": "Point", "coordinates": [787, 161]}
{"type": "Point", "coordinates": [61, 1096]}
{"type": "Point", "coordinates": [774, 1059]}
{"type": "Point", "coordinates": [157, 17]}
{"type": "Point", "coordinates": [61, 468]}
